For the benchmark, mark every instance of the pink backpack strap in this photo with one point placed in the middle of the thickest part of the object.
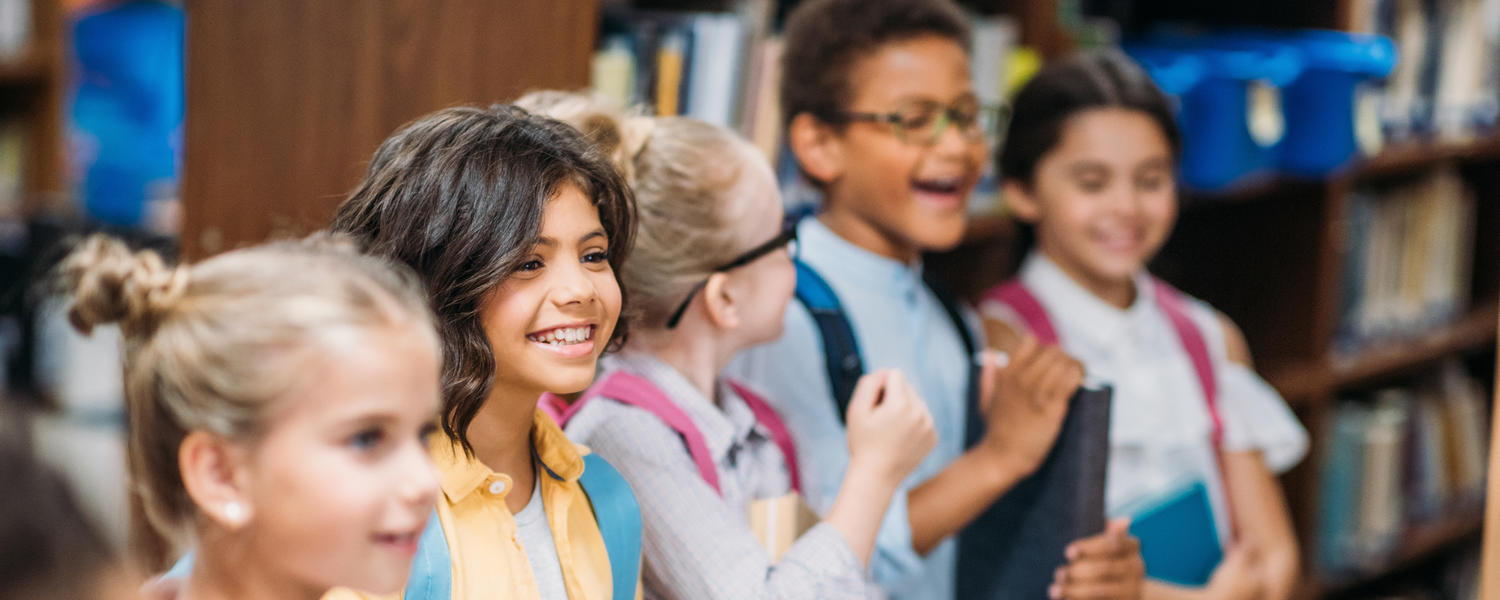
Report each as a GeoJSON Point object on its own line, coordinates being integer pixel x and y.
{"type": "Point", "coordinates": [639, 392]}
{"type": "Point", "coordinates": [1014, 294]}
{"type": "Point", "coordinates": [767, 417]}
{"type": "Point", "coordinates": [1175, 307]}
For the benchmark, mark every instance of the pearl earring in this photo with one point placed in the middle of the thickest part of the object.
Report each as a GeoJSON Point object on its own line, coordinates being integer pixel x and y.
{"type": "Point", "coordinates": [234, 512]}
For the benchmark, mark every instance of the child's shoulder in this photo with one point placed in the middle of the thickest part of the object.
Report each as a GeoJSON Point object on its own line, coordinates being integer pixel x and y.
{"type": "Point", "coordinates": [1216, 326]}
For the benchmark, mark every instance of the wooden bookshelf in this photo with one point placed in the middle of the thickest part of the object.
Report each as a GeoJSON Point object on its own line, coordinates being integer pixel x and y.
{"type": "Point", "coordinates": [31, 92]}
{"type": "Point", "coordinates": [1420, 544]}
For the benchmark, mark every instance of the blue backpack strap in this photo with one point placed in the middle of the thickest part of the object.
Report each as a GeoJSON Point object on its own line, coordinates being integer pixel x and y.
{"type": "Point", "coordinates": [840, 350]}
{"type": "Point", "coordinates": [619, 518]}
{"type": "Point", "coordinates": [431, 575]}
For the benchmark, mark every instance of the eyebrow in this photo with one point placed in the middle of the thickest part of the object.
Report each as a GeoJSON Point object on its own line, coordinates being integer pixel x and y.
{"type": "Point", "coordinates": [550, 242]}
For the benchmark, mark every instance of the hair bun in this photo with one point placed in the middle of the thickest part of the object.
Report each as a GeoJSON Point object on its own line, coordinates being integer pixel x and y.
{"type": "Point", "coordinates": [109, 283]}
{"type": "Point", "coordinates": [619, 134]}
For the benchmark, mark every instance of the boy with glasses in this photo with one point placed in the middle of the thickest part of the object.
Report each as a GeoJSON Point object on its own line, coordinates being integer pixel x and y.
{"type": "Point", "coordinates": [883, 119]}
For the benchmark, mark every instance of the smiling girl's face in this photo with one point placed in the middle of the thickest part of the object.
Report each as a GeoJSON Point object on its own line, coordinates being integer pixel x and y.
{"type": "Point", "coordinates": [1103, 199]}
{"type": "Point", "coordinates": [549, 321]}
{"type": "Point", "coordinates": [341, 485]}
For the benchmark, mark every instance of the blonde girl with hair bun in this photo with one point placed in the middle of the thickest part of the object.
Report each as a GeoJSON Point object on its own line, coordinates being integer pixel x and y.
{"type": "Point", "coordinates": [711, 274]}
{"type": "Point", "coordinates": [278, 397]}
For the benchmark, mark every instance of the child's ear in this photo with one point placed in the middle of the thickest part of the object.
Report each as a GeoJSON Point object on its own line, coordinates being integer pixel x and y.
{"type": "Point", "coordinates": [817, 148]}
{"type": "Point", "coordinates": [1021, 201]}
{"type": "Point", "coordinates": [212, 475]}
{"type": "Point", "coordinates": [723, 308]}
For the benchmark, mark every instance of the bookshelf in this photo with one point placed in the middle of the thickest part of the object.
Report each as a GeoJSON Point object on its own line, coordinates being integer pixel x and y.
{"type": "Point", "coordinates": [31, 87]}
{"type": "Point", "coordinates": [273, 147]}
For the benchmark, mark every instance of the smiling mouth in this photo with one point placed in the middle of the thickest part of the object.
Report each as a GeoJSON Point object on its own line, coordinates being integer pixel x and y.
{"type": "Point", "coordinates": [564, 336]}
{"type": "Point", "coordinates": [571, 341]}
{"type": "Point", "coordinates": [948, 185]}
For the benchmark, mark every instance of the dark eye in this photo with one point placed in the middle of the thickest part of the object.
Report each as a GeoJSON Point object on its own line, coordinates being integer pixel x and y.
{"type": "Point", "coordinates": [366, 439]}
{"type": "Point", "coordinates": [596, 257]}
{"type": "Point", "coordinates": [918, 119]}
{"type": "Point", "coordinates": [426, 430]}
{"type": "Point", "coordinates": [1091, 185]}
{"type": "Point", "coordinates": [531, 265]}
{"type": "Point", "coordinates": [1152, 182]}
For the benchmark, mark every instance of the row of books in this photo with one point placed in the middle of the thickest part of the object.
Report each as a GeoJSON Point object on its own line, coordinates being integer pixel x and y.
{"type": "Point", "coordinates": [1397, 460]}
{"type": "Point", "coordinates": [1407, 258]}
{"type": "Point", "coordinates": [1446, 84]}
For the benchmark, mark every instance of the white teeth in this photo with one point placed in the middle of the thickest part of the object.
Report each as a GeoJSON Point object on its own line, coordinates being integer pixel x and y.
{"type": "Point", "coordinates": [572, 335]}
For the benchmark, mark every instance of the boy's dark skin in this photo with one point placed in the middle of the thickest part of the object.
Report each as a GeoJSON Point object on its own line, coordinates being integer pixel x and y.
{"type": "Point", "coordinates": [899, 199]}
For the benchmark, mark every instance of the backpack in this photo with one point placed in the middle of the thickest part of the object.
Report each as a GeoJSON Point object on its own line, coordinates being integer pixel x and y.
{"type": "Point", "coordinates": [841, 355]}
{"type": "Point", "coordinates": [615, 509]}
{"type": "Point", "coordinates": [1174, 305]}
{"type": "Point", "coordinates": [639, 392]}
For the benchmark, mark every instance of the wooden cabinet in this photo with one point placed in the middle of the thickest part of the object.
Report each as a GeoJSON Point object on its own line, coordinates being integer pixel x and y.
{"type": "Point", "coordinates": [287, 99]}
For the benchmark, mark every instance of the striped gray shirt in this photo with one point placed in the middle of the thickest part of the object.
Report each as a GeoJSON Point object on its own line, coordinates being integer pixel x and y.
{"type": "Point", "coordinates": [698, 544]}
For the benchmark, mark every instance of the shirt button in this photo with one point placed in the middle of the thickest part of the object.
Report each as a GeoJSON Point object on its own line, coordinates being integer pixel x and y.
{"type": "Point", "coordinates": [497, 487]}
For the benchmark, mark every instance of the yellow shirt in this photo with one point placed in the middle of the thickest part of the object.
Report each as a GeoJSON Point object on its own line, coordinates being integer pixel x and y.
{"type": "Point", "coordinates": [488, 560]}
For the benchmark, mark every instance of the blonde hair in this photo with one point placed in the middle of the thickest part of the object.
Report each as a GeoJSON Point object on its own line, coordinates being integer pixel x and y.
{"type": "Point", "coordinates": [209, 347]}
{"type": "Point", "coordinates": [685, 174]}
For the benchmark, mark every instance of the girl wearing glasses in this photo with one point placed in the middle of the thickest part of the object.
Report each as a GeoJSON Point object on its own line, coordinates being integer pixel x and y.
{"type": "Point", "coordinates": [711, 275]}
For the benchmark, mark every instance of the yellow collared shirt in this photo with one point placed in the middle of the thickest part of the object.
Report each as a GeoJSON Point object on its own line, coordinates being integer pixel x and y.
{"type": "Point", "coordinates": [488, 560]}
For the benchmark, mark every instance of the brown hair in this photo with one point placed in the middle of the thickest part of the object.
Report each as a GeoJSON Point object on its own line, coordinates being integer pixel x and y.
{"type": "Point", "coordinates": [209, 347]}
{"type": "Point", "coordinates": [458, 195]}
{"type": "Point", "coordinates": [825, 38]}
{"type": "Point", "coordinates": [684, 174]}
{"type": "Point", "coordinates": [1097, 79]}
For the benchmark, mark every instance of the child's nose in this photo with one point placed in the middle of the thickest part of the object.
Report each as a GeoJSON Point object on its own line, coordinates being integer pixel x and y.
{"type": "Point", "coordinates": [572, 285]}
{"type": "Point", "coordinates": [419, 483]}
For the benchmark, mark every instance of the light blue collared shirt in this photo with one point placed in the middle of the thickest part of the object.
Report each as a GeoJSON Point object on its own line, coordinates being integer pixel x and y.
{"type": "Point", "coordinates": [899, 324]}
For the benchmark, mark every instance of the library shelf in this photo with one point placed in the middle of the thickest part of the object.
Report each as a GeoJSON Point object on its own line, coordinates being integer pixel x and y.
{"type": "Point", "coordinates": [1304, 381]}
{"type": "Point", "coordinates": [1419, 544]}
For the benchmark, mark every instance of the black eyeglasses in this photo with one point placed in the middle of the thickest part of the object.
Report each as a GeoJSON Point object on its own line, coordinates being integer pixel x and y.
{"type": "Point", "coordinates": [787, 237]}
{"type": "Point", "coordinates": [923, 122]}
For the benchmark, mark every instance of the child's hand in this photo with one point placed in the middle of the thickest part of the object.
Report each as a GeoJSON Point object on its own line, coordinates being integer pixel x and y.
{"type": "Point", "coordinates": [1026, 401]}
{"type": "Point", "coordinates": [890, 429]}
{"type": "Point", "coordinates": [1104, 567]}
{"type": "Point", "coordinates": [1235, 578]}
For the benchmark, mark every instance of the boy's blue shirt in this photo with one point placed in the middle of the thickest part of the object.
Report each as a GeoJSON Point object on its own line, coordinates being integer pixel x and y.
{"type": "Point", "coordinates": [899, 324]}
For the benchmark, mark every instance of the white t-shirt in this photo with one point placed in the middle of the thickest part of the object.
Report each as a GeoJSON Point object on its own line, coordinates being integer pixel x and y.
{"type": "Point", "coordinates": [1161, 431]}
{"type": "Point", "coordinates": [541, 549]}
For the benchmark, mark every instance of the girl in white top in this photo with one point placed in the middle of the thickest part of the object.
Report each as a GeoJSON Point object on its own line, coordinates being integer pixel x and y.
{"type": "Point", "coordinates": [1088, 163]}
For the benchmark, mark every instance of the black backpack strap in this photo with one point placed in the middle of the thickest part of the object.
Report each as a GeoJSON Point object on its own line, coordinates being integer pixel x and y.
{"type": "Point", "coordinates": [951, 306]}
{"type": "Point", "coordinates": [840, 350]}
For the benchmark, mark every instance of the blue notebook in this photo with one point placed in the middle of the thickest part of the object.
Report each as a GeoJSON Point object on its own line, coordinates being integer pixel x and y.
{"type": "Point", "coordinates": [1179, 540]}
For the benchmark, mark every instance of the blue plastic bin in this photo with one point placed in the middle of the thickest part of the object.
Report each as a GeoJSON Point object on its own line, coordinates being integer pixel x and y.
{"type": "Point", "coordinates": [1320, 104]}
{"type": "Point", "coordinates": [1219, 151]}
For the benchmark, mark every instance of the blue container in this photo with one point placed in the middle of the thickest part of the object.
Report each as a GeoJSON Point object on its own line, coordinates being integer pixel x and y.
{"type": "Point", "coordinates": [1219, 149]}
{"type": "Point", "coordinates": [1320, 104]}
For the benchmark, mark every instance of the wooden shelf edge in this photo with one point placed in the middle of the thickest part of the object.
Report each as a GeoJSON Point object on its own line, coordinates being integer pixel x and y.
{"type": "Point", "coordinates": [1420, 543]}
{"type": "Point", "coordinates": [1405, 156]}
{"type": "Point", "coordinates": [1305, 381]}
{"type": "Point", "coordinates": [1473, 330]}
{"type": "Point", "coordinates": [28, 70]}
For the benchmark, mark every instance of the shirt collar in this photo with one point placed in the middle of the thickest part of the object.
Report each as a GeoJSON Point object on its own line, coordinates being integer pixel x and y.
{"type": "Point", "coordinates": [837, 258]}
{"type": "Point", "coordinates": [722, 425]}
{"type": "Point", "coordinates": [463, 473]}
{"type": "Point", "coordinates": [1087, 315]}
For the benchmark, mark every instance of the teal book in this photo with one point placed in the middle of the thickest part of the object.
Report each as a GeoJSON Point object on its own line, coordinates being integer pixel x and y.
{"type": "Point", "coordinates": [1179, 540]}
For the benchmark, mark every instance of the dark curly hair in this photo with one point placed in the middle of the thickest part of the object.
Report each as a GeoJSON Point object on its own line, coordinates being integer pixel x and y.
{"type": "Point", "coordinates": [824, 39]}
{"type": "Point", "coordinates": [458, 196]}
